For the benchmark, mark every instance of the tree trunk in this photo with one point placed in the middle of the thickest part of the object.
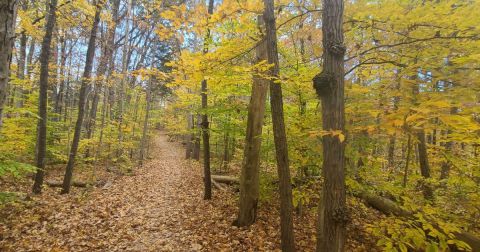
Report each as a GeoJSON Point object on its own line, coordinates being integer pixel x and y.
{"type": "Point", "coordinates": [196, 145]}
{"type": "Point", "coordinates": [22, 58]}
{"type": "Point", "coordinates": [190, 137]}
{"type": "Point", "coordinates": [81, 102]}
{"type": "Point", "coordinates": [249, 179]}
{"type": "Point", "coordinates": [42, 102]}
{"type": "Point", "coordinates": [447, 164]}
{"type": "Point", "coordinates": [61, 90]}
{"type": "Point", "coordinates": [31, 53]}
{"type": "Point", "coordinates": [329, 86]}
{"type": "Point", "coordinates": [8, 10]}
{"type": "Point", "coordinates": [424, 165]}
{"type": "Point", "coordinates": [145, 122]}
{"type": "Point", "coordinates": [124, 77]}
{"type": "Point", "coordinates": [205, 128]}
{"type": "Point", "coordinates": [280, 138]}
{"type": "Point", "coordinates": [407, 160]}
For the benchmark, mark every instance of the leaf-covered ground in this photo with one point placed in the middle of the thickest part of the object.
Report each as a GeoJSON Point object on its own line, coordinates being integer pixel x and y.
{"type": "Point", "coordinates": [158, 208]}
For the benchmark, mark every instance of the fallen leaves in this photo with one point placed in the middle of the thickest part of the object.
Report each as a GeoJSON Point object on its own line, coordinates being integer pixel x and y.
{"type": "Point", "coordinates": [159, 208]}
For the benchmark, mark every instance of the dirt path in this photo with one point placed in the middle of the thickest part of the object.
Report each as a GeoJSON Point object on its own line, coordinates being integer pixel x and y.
{"type": "Point", "coordinates": [159, 208]}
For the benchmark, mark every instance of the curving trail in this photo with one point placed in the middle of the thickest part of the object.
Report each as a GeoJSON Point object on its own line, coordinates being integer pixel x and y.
{"type": "Point", "coordinates": [159, 208]}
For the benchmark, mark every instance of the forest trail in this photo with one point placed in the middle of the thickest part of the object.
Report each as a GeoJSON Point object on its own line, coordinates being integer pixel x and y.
{"type": "Point", "coordinates": [158, 208]}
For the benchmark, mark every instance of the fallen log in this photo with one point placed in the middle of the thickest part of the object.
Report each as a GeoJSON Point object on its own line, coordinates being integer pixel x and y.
{"type": "Point", "coordinates": [388, 207]}
{"type": "Point", "coordinates": [218, 186]}
{"type": "Point", "coordinates": [225, 179]}
{"type": "Point", "coordinates": [74, 183]}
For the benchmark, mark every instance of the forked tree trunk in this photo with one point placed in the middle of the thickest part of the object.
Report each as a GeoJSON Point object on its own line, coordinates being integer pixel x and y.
{"type": "Point", "coordinates": [329, 86]}
{"type": "Point", "coordinates": [205, 128]}
{"type": "Point", "coordinates": [279, 134]}
{"type": "Point", "coordinates": [81, 102]}
{"type": "Point", "coordinates": [42, 100]}
{"type": "Point", "coordinates": [249, 179]}
{"type": "Point", "coordinates": [7, 37]}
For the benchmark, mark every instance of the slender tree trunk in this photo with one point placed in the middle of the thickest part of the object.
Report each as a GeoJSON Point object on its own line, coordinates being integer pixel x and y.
{"type": "Point", "coordinates": [249, 179]}
{"type": "Point", "coordinates": [189, 147]}
{"type": "Point", "coordinates": [205, 128]}
{"type": "Point", "coordinates": [31, 53]}
{"type": "Point", "coordinates": [329, 85]}
{"type": "Point", "coordinates": [82, 99]}
{"type": "Point", "coordinates": [143, 144]}
{"type": "Point", "coordinates": [8, 10]}
{"type": "Point", "coordinates": [447, 164]}
{"type": "Point", "coordinates": [280, 138]}
{"type": "Point", "coordinates": [124, 77]}
{"type": "Point", "coordinates": [42, 103]}
{"type": "Point", "coordinates": [196, 144]}
{"type": "Point", "coordinates": [407, 160]}
{"type": "Point", "coordinates": [391, 151]}
{"type": "Point", "coordinates": [63, 62]}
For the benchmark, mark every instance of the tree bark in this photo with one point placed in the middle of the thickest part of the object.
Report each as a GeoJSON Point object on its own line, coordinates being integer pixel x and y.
{"type": "Point", "coordinates": [63, 62]}
{"type": "Point", "coordinates": [190, 137]}
{"type": "Point", "coordinates": [280, 138]}
{"type": "Point", "coordinates": [31, 53]}
{"type": "Point", "coordinates": [205, 128]}
{"type": "Point", "coordinates": [82, 99]}
{"type": "Point", "coordinates": [407, 160]}
{"type": "Point", "coordinates": [148, 99]}
{"type": "Point", "coordinates": [8, 10]}
{"type": "Point", "coordinates": [105, 59]}
{"type": "Point", "coordinates": [249, 179]}
{"type": "Point", "coordinates": [124, 77]}
{"type": "Point", "coordinates": [196, 144]}
{"type": "Point", "coordinates": [424, 165]}
{"type": "Point", "coordinates": [42, 102]}
{"type": "Point", "coordinates": [329, 86]}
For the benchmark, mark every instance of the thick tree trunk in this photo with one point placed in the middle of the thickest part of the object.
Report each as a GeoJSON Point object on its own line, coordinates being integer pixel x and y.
{"type": "Point", "coordinates": [329, 86]}
{"type": "Point", "coordinates": [249, 179]}
{"type": "Point", "coordinates": [205, 128]}
{"type": "Point", "coordinates": [279, 134]}
{"type": "Point", "coordinates": [8, 10]}
{"type": "Point", "coordinates": [42, 103]}
{"type": "Point", "coordinates": [424, 165]}
{"type": "Point", "coordinates": [22, 58]}
{"type": "Point", "coordinates": [81, 102]}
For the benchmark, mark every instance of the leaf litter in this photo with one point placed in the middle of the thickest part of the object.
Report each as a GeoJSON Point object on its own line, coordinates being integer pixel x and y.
{"type": "Point", "coordinates": [158, 208]}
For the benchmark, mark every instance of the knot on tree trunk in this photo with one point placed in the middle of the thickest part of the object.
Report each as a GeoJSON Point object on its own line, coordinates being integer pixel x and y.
{"type": "Point", "coordinates": [323, 83]}
{"type": "Point", "coordinates": [341, 215]}
{"type": "Point", "coordinates": [337, 48]}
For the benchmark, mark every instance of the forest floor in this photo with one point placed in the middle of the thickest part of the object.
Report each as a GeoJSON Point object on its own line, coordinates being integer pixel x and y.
{"type": "Point", "coordinates": [157, 208]}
